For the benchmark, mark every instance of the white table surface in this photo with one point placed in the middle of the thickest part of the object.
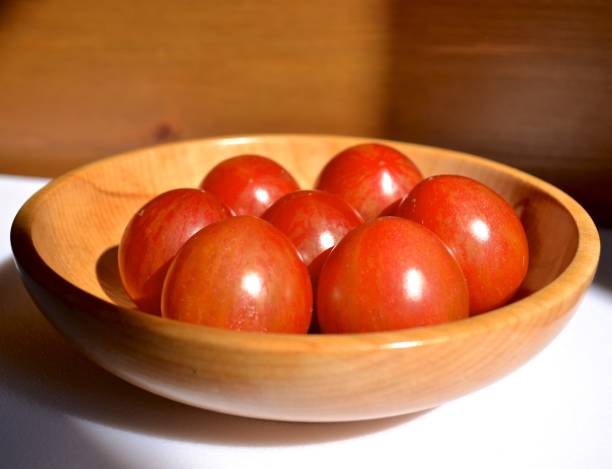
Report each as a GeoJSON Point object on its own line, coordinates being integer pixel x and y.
{"type": "Point", "coordinates": [58, 410]}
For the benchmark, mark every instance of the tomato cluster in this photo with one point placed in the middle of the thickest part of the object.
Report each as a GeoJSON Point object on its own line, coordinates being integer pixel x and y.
{"type": "Point", "coordinates": [373, 247]}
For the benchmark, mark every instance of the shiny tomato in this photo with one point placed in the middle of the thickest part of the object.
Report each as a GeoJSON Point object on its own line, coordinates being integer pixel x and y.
{"type": "Point", "coordinates": [313, 220]}
{"type": "Point", "coordinates": [480, 228]}
{"type": "Point", "coordinates": [314, 269]}
{"type": "Point", "coordinates": [370, 177]}
{"type": "Point", "coordinates": [388, 274]}
{"type": "Point", "coordinates": [249, 184]}
{"type": "Point", "coordinates": [242, 274]}
{"type": "Point", "coordinates": [155, 234]}
{"type": "Point", "coordinates": [391, 209]}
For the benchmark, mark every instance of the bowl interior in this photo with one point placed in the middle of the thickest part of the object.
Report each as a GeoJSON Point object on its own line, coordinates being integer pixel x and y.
{"type": "Point", "coordinates": [76, 227]}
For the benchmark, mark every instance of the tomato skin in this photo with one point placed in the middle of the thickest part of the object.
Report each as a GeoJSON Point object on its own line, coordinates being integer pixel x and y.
{"type": "Point", "coordinates": [155, 234]}
{"type": "Point", "coordinates": [249, 184]}
{"type": "Point", "coordinates": [389, 274]}
{"type": "Point", "coordinates": [314, 269]}
{"type": "Point", "coordinates": [370, 177]}
{"type": "Point", "coordinates": [313, 220]}
{"type": "Point", "coordinates": [391, 210]}
{"type": "Point", "coordinates": [480, 228]}
{"type": "Point", "coordinates": [241, 274]}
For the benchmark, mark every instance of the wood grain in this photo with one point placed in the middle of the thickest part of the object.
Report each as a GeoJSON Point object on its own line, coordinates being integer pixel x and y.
{"type": "Point", "coordinates": [85, 80]}
{"type": "Point", "coordinates": [64, 239]}
{"type": "Point", "coordinates": [526, 83]}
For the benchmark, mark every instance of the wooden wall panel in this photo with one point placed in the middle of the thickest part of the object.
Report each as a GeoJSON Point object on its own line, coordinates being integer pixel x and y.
{"type": "Point", "coordinates": [528, 83]}
{"type": "Point", "coordinates": [84, 79]}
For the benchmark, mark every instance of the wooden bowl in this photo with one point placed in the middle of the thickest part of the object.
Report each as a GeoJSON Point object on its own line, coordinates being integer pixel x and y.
{"type": "Point", "coordinates": [64, 240]}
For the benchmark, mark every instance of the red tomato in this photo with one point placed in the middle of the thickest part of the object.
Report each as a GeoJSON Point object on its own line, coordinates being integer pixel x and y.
{"type": "Point", "coordinates": [243, 274]}
{"type": "Point", "coordinates": [313, 220]}
{"type": "Point", "coordinates": [314, 269]}
{"type": "Point", "coordinates": [370, 177]}
{"type": "Point", "coordinates": [389, 274]}
{"type": "Point", "coordinates": [480, 228]}
{"type": "Point", "coordinates": [249, 184]}
{"type": "Point", "coordinates": [391, 209]}
{"type": "Point", "coordinates": [316, 265]}
{"type": "Point", "coordinates": [155, 234]}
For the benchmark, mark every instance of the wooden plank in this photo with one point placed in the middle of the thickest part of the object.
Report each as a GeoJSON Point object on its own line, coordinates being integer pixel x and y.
{"type": "Point", "coordinates": [526, 83]}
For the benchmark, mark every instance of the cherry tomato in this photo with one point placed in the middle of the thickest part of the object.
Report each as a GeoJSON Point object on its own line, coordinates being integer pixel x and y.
{"type": "Point", "coordinates": [480, 228]}
{"type": "Point", "coordinates": [388, 274]}
{"type": "Point", "coordinates": [249, 184]}
{"type": "Point", "coordinates": [242, 274]}
{"type": "Point", "coordinates": [313, 220]}
{"type": "Point", "coordinates": [314, 269]}
{"type": "Point", "coordinates": [370, 177]}
{"type": "Point", "coordinates": [391, 209]}
{"type": "Point", "coordinates": [155, 234]}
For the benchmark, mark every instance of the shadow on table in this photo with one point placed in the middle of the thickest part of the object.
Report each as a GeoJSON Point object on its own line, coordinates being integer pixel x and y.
{"type": "Point", "coordinates": [37, 364]}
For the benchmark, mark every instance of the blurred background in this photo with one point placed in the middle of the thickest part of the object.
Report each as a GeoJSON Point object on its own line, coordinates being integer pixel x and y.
{"type": "Point", "coordinates": [528, 83]}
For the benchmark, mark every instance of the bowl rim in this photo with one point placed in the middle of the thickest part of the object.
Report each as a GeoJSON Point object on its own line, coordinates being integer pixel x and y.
{"type": "Point", "coordinates": [576, 275]}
